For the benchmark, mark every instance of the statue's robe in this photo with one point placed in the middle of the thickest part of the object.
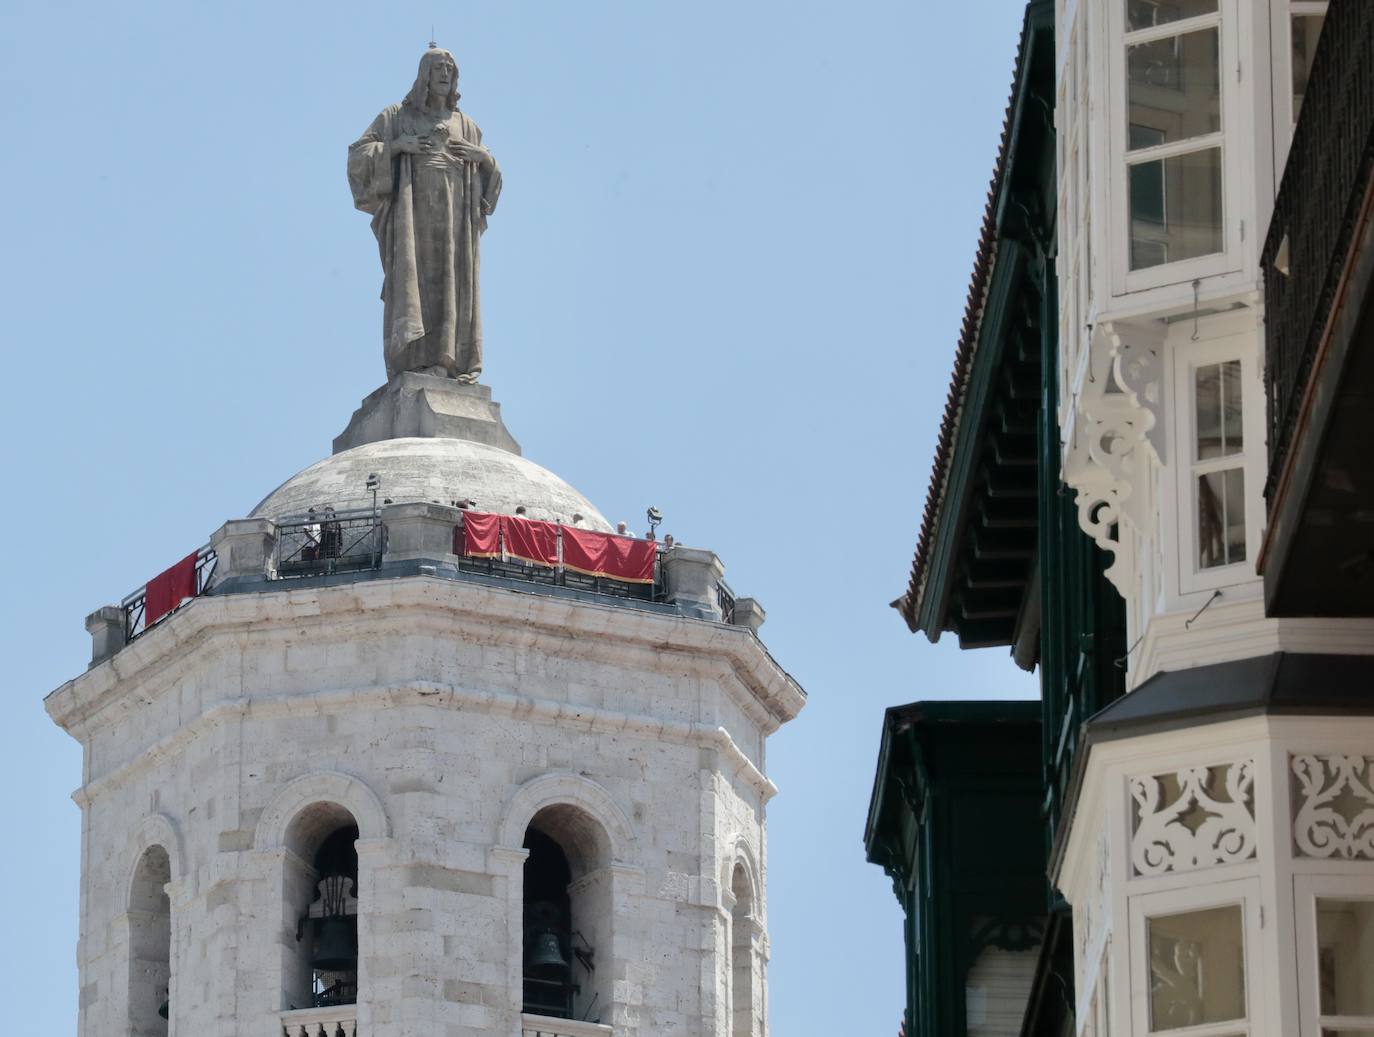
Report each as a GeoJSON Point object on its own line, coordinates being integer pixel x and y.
{"type": "Point", "coordinates": [428, 213]}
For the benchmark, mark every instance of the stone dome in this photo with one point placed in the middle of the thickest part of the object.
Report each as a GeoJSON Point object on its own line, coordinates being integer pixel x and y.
{"type": "Point", "coordinates": [432, 469]}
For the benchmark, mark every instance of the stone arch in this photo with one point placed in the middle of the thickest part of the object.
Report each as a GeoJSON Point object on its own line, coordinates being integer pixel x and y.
{"type": "Point", "coordinates": [149, 946]}
{"type": "Point", "coordinates": [741, 857]}
{"type": "Point", "coordinates": [291, 808]}
{"type": "Point", "coordinates": [564, 789]}
{"type": "Point", "coordinates": [155, 830]}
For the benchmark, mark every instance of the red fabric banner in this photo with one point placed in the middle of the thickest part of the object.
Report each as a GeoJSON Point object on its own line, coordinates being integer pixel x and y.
{"type": "Point", "coordinates": [168, 589]}
{"type": "Point", "coordinates": [530, 541]}
{"type": "Point", "coordinates": [481, 535]}
{"type": "Point", "coordinates": [602, 554]}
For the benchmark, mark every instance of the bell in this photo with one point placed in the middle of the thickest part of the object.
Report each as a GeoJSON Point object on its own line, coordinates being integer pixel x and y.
{"type": "Point", "coordinates": [545, 952]}
{"type": "Point", "coordinates": [164, 1009]}
{"type": "Point", "coordinates": [335, 950]}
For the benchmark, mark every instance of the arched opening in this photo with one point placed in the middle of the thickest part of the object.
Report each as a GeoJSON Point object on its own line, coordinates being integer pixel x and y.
{"type": "Point", "coordinates": [321, 904]}
{"type": "Point", "coordinates": [567, 917]}
{"type": "Point", "coordinates": [150, 945]}
{"type": "Point", "coordinates": [746, 1008]}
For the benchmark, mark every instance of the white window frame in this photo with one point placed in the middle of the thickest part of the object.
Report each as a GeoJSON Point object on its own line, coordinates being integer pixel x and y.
{"type": "Point", "coordinates": [1188, 357]}
{"type": "Point", "coordinates": [1198, 897]}
{"type": "Point", "coordinates": [1281, 28]}
{"type": "Point", "coordinates": [1307, 889]}
{"type": "Point", "coordinates": [1124, 280]}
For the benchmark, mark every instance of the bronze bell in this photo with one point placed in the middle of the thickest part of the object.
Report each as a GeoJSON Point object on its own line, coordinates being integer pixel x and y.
{"type": "Point", "coordinates": [546, 952]}
{"type": "Point", "coordinates": [164, 1009]}
{"type": "Point", "coordinates": [335, 950]}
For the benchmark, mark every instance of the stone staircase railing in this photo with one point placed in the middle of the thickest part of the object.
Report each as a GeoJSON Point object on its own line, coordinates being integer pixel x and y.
{"type": "Point", "coordinates": [336, 1021]}
{"type": "Point", "coordinates": [546, 1026]}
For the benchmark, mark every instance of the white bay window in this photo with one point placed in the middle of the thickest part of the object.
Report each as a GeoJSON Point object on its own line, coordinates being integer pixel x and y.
{"type": "Point", "coordinates": [1170, 119]}
{"type": "Point", "coordinates": [1192, 973]}
{"type": "Point", "coordinates": [1336, 954]}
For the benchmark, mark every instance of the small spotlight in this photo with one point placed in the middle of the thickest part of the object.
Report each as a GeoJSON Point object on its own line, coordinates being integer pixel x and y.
{"type": "Point", "coordinates": [374, 482]}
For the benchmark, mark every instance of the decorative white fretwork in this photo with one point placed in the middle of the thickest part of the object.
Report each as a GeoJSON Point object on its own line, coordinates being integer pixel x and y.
{"type": "Point", "coordinates": [1335, 812]}
{"type": "Point", "coordinates": [1115, 434]}
{"type": "Point", "coordinates": [1197, 827]}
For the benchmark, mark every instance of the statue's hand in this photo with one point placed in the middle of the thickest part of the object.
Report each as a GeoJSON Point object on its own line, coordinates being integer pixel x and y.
{"type": "Point", "coordinates": [470, 152]}
{"type": "Point", "coordinates": [408, 143]}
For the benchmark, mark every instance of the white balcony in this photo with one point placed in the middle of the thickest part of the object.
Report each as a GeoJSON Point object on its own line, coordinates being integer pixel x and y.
{"type": "Point", "coordinates": [546, 1026]}
{"type": "Point", "coordinates": [336, 1021]}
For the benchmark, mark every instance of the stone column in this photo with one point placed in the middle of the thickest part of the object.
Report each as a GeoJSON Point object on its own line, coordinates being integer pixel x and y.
{"type": "Point", "coordinates": [244, 549]}
{"type": "Point", "coordinates": [692, 576]}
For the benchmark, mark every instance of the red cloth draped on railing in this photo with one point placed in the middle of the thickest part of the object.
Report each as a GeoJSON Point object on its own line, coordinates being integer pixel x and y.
{"type": "Point", "coordinates": [530, 541]}
{"type": "Point", "coordinates": [481, 535]}
{"type": "Point", "coordinates": [169, 588]}
{"type": "Point", "coordinates": [603, 554]}
{"type": "Point", "coordinates": [583, 550]}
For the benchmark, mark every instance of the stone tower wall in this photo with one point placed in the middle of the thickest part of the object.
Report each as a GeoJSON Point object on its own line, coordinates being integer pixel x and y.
{"type": "Point", "coordinates": [442, 716]}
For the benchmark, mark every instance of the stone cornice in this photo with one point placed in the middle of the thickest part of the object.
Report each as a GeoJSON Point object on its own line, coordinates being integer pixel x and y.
{"type": "Point", "coordinates": [559, 626]}
{"type": "Point", "coordinates": [446, 696]}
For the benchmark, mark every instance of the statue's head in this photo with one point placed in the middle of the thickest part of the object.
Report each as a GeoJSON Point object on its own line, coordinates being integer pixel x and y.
{"type": "Point", "coordinates": [438, 76]}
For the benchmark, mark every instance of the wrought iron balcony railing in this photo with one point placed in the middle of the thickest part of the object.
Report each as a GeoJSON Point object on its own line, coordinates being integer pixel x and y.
{"type": "Point", "coordinates": [1316, 216]}
{"type": "Point", "coordinates": [135, 604]}
{"type": "Point", "coordinates": [328, 542]}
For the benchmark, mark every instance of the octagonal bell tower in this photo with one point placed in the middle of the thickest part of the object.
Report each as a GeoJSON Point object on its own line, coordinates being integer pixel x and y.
{"type": "Point", "coordinates": [420, 746]}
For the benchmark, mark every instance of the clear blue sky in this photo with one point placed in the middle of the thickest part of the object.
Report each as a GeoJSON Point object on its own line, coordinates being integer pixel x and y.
{"type": "Point", "coordinates": [726, 278]}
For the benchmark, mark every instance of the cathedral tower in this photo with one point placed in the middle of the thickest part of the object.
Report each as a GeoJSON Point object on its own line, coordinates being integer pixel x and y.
{"type": "Point", "coordinates": [421, 747]}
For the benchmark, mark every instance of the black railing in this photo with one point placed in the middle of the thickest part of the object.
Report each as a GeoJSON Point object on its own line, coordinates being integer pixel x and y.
{"type": "Point", "coordinates": [558, 576]}
{"type": "Point", "coordinates": [725, 598]}
{"type": "Point", "coordinates": [328, 542]}
{"type": "Point", "coordinates": [135, 605]}
{"type": "Point", "coordinates": [1315, 216]}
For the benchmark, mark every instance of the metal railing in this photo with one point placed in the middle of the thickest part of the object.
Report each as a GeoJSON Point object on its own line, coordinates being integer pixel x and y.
{"type": "Point", "coordinates": [135, 604]}
{"type": "Point", "coordinates": [558, 576]}
{"type": "Point", "coordinates": [328, 542]}
{"type": "Point", "coordinates": [725, 598]}
{"type": "Point", "coordinates": [1315, 216]}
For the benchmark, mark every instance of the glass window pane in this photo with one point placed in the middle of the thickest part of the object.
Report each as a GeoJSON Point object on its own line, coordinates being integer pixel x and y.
{"type": "Point", "coordinates": [1307, 28]}
{"type": "Point", "coordinates": [1345, 938]}
{"type": "Point", "coordinates": [1142, 14]}
{"type": "Point", "coordinates": [1220, 518]}
{"type": "Point", "coordinates": [1175, 208]}
{"type": "Point", "coordinates": [1197, 968]}
{"type": "Point", "coordinates": [1217, 392]}
{"type": "Point", "coordinates": [1173, 86]}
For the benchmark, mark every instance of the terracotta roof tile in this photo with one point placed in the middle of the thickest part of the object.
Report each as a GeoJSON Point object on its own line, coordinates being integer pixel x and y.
{"type": "Point", "coordinates": [909, 603]}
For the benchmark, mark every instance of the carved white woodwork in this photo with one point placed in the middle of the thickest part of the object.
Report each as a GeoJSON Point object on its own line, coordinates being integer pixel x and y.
{"type": "Point", "coordinates": [1196, 827]}
{"type": "Point", "coordinates": [1335, 812]}
{"type": "Point", "coordinates": [1115, 436]}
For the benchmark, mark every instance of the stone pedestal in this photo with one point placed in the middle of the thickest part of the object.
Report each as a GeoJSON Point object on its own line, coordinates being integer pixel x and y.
{"type": "Point", "coordinates": [106, 627]}
{"type": "Point", "coordinates": [429, 407]}
{"type": "Point", "coordinates": [244, 549]}
{"type": "Point", "coordinates": [693, 576]}
{"type": "Point", "coordinates": [419, 531]}
{"type": "Point", "coordinates": [749, 613]}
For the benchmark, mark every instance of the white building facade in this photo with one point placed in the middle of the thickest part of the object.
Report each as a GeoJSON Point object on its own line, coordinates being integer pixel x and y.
{"type": "Point", "coordinates": [1217, 854]}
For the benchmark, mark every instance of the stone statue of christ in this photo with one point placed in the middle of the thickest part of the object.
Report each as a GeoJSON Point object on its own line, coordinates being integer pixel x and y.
{"type": "Point", "coordinates": [423, 174]}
